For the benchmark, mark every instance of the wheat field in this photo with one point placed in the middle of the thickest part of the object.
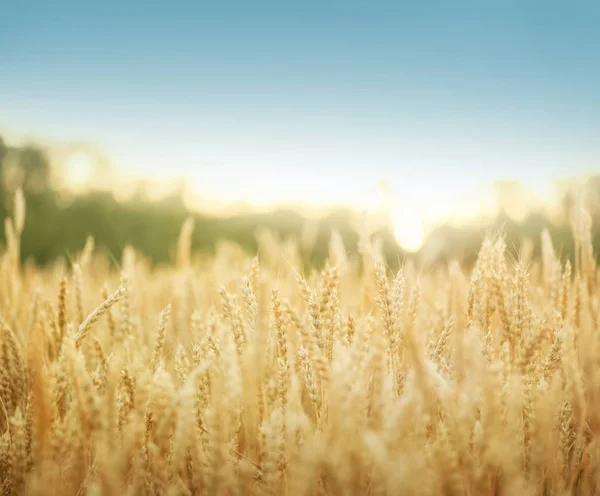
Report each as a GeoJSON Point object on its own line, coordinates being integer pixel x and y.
{"type": "Point", "coordinates": [233, 374]}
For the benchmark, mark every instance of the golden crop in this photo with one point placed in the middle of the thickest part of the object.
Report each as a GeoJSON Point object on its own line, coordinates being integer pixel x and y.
{"type": "Point", "coordinates": [226, 375]}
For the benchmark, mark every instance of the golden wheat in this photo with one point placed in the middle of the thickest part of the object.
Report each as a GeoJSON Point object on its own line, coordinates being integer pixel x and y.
{"type": "Point", "coordinates": [225, 375]}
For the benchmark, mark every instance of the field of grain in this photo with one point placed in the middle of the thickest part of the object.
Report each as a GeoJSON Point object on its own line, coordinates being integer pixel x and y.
{"type": "Point", "coordinates": [234, 374]}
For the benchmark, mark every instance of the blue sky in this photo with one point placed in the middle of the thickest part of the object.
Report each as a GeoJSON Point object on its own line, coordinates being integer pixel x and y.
{"type": "Point", "coordinates": [274, 101]}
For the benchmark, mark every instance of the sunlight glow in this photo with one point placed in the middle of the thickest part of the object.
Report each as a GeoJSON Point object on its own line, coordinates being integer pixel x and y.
{"type": "Point", "coordinates": [408, 230]}
{"type": "Point", "coordinates": [79, 170]}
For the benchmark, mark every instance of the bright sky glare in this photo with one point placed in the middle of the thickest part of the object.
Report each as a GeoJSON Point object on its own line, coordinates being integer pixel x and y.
{"type": "Point", "coordinates": [271, 102]}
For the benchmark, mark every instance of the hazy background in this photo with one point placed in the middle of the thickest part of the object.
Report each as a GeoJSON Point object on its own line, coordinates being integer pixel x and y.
{"type": "Point", "coordinates": [437, 120]}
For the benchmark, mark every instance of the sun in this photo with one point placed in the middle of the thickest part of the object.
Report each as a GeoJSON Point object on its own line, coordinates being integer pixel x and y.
{"type": "Point", "coordinates": [408, 230]}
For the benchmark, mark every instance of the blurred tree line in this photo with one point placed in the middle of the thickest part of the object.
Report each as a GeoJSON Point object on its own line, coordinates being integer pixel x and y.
{"type": "Point", "coordinates": [58, 223]}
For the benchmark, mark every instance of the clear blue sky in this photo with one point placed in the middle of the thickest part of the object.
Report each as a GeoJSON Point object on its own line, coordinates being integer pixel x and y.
{"type": "Point", "coordinates": [267, 97]}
